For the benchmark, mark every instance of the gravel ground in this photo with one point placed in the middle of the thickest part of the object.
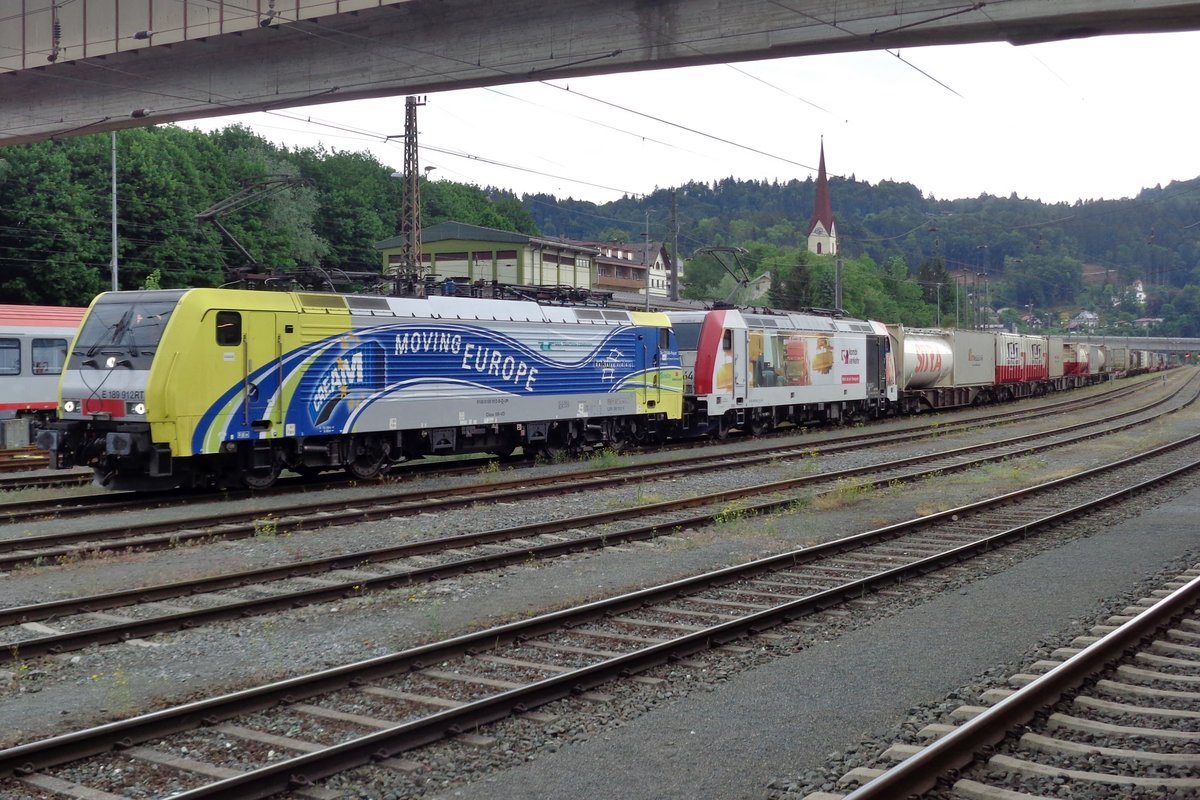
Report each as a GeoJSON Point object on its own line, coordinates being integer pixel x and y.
{"type": "Point", "coordinates": [838, 683]}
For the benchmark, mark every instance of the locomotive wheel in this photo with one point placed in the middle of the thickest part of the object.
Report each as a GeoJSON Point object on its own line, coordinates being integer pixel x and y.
{"type": "Point", "coordinates": [761, 422]}
{"type": "Point", "coordinates": [561, 445]}
{"type": "Point", "coordinates": [617, 436]}
{"type": "Point", "coordinates": [366, 459]}
{"type": "Point", "coordinates": [261, 478]}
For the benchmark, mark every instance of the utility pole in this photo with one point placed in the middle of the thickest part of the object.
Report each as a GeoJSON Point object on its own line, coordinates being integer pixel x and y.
{"type": "Point", "coordinates": [837, 284]}
{"type": "Point", "coordinates": [113, 261]}
{"type": "Point", "coordinates": [987, 300]}
{"type": "Point", "coordinates": [977, 303]}
{"type": "Point", "coordinates": [674, 245]}
{"type": "Point", "coordinates": [647, 259]}
{"type": "Point", "coordinates": [957, 292]}
{"type": "Point", "coordinates": [411, 264]}
{"type": "Point", "coordinates": [974, 301]}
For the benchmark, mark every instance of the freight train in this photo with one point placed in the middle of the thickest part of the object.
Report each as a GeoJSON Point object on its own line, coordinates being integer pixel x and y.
{"type": "Point", "coordinates": [221, 387]}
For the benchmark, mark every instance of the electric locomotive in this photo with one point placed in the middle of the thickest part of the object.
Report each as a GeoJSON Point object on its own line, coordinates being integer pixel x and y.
{"type": "Point", "coordinates": [751, 372]}
{"type": "Point", "coordinates": [201, 387]}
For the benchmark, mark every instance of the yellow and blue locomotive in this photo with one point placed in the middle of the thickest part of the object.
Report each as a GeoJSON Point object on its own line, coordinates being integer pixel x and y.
{"type": "Point", "coordinates": [199, 387]}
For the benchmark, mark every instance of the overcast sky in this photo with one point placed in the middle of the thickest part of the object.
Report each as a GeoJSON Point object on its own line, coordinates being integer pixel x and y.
{"type": "Point", "coordinates": [1086, 119]}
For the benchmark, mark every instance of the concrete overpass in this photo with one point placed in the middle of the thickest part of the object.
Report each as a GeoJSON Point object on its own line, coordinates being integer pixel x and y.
{"type": "Point", "coordinates": [84, 66]}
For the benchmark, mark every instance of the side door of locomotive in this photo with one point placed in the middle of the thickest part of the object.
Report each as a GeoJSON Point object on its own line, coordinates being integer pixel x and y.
{"type": "Point", "coordinates": [249, 361]}
{"type": "Point", "coordinates": [741, 363]}
{"type": "Point", "coordinates": [661, 339]}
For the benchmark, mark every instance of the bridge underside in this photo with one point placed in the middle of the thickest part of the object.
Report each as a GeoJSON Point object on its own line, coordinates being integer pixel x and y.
{"type": "Point", "coordinates": [266, 60]}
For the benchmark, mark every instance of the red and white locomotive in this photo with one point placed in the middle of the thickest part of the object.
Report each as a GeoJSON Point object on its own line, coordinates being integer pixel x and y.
{"type": "Point", "coordinates": [754, 371]}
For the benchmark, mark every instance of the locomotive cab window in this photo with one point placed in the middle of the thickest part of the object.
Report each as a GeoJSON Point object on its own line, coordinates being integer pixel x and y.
{"type": "Point", "coordinates": [49, 355]}
{"type": "Point", "coordinates": [687, 335]}
{"type": "Point", "coordinates": [229, 328]}
{"type": "Point", "coordinates": [123, 327]}
{"type": "Point", "coordinates": [10, 356]}
{"type": "Point", "coordinates": [727, 340]}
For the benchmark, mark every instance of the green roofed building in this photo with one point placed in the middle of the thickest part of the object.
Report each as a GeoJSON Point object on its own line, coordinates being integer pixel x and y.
{"type": "Point", "coordinates": [470, 253]}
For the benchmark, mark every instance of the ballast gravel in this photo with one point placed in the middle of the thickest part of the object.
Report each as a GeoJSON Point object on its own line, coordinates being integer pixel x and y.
{"type": "Point", "coordinates": [775, 720]}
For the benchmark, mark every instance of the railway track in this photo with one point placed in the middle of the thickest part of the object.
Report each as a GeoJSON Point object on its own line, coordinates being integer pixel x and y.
{"type": "Point", "coordinates": [37, 549]}
{"type": "Point", "coordinates": [22, 458]}
{"type": "Point", "coordinates": [83, 505]}
{"type": "Point", "coordinates": [149, 610]}
{"type": "Point", "coordinates": [226, 524]}
{"type": "Point", "coordinates": [1115, 714]}
{"type": "Point", "coordinates": [130, 501]}
{"type": "Point", "coordinates": [57, 480]}
{"type": "Point", "coordinates": [287, 735]}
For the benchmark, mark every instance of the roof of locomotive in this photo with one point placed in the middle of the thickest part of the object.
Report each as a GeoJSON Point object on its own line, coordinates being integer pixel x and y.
{"type": "Point", "coordinates": [435, 307]}
{"type": "Point", "coordinates": [791, 320]}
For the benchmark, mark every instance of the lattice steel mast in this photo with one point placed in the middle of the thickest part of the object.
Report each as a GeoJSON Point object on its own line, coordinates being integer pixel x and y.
{"type": "Point", "coordinates": [410, 272]}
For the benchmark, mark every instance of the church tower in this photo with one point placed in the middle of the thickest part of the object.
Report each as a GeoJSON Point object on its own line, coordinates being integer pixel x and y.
{"type": "Point", "coordinates": [822, 232]}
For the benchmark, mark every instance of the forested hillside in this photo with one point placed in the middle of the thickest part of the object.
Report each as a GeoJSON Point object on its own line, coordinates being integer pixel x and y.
{"type": "Point", "coordinates": [1028, 253]}
{"type": "Point", "coordinates": [903, 251]}
{"type": "Point", "coordinates": [55, 210]}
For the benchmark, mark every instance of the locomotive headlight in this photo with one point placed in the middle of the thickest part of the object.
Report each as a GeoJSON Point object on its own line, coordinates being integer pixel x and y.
{"type": "Point", "coordinates": [69, 406]}
{"type": "Point", "coordinates": [138, 409]}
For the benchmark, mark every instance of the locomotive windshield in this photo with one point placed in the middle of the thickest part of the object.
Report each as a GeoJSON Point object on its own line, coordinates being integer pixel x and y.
{"type": "Point", "coordinates": [687, 335]}
{"type": "Point", "coordinates": [131, 327]}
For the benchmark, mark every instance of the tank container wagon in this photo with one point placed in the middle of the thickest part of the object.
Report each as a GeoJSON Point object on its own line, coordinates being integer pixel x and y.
{"type": "Point", "coordinates": [1075, 364]}
{"type": "Point", "coordinates": [752, 372]}
{"type": "Point", "coordinates": [34, 341]}
{"type": "Point", "coordinates": [203, 387]}
{"type": "Point", "coordinates": [1085, 362]}
{"type": "Point", "coordinates": [942, 368]}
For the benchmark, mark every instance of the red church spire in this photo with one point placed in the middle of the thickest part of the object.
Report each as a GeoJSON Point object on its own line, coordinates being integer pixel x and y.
{"type": "Point", "coordinates": [822, 208]}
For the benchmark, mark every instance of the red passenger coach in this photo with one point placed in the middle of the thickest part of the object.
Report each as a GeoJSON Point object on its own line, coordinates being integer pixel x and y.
{"type": "Point", "coordinates": [33, 349]}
